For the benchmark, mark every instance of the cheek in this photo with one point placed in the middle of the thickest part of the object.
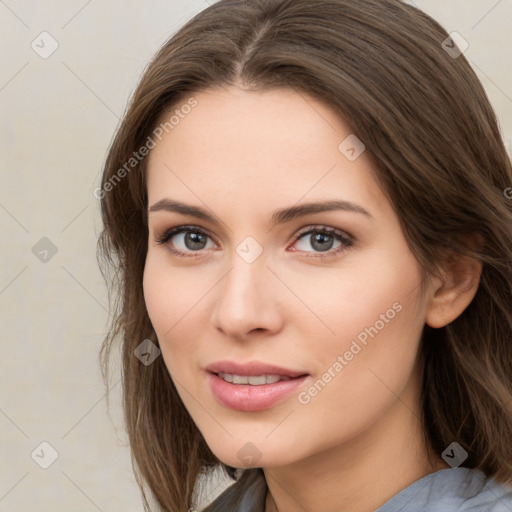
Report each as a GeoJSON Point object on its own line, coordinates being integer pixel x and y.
{"type": "Point", "coordinates": [377, 318]}
{"type": "Point", "coordinates": [373, 295]}
{"type": "Point", "coordinates": [175, 302]}
{"type": "Point", "coordinates": [359, 382]}
{"type": "Point", "coordinates": [372, 315]}
{"type": "Point", "coordinates": [168, 293]}
{"type": "Point", "coordinates": [157, 294]}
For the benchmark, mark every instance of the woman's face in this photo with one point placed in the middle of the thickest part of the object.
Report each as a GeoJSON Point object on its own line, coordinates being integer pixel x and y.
{"type": "Point", "coordinates": [323, 299]}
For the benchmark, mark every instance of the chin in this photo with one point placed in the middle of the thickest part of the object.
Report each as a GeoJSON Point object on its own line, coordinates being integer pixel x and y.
{"type": "Point", "coordinates": [254, 454]}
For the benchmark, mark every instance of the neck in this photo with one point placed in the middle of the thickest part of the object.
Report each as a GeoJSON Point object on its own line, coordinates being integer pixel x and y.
{"type": "Point", "coordinates": [360, 475]}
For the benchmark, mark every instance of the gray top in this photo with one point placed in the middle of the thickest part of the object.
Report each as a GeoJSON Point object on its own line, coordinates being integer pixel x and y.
{"type": "Point", "coordinates": [446, 490]}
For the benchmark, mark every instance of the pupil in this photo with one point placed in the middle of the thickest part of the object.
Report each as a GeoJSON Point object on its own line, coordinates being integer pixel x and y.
{"type": "Point", "coordinates": [194, 240]}
{"type": "Point", "coordinates": [321, 239]}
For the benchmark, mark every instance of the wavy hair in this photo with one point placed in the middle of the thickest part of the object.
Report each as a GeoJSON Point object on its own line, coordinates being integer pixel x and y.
{"type": "Point", "coordinates": [437, 153]}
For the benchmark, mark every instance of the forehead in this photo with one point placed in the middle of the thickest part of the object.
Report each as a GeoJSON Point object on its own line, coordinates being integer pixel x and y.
{"type": "Point", "coordinates": [272, 148]}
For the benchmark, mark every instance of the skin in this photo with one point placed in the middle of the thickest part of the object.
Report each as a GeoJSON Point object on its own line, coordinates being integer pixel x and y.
{"type": "Point", "coordinates": [241, 155]}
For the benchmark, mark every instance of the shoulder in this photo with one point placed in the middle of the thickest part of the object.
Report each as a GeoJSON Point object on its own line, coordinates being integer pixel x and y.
{"type": "Point", "coordinates": [497, 497]}
{"type": "Point", "coordinates": [247, 494]}
{"type": "Point", "coordinates": [453, 489]}
{"type": "Point", "coordinates": [447, 490]}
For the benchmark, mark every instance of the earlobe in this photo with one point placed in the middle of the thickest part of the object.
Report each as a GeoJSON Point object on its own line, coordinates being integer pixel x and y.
{"type": "Point", "coordinates": [453, 293]}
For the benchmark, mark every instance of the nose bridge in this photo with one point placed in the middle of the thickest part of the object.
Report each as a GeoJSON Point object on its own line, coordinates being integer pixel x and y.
{"type": "Point", "coordinates": [244, 301]}
{"type": "Point", "coordinates": [248, 268]}
{"type": "Point", "coordinates": [244, 284]}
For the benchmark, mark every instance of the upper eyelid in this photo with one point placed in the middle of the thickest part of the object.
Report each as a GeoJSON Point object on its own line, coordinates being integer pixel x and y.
{"type": "Point", "coordinates": [323, 227]}
{"type": "Point", "coordinates": [178, 230]}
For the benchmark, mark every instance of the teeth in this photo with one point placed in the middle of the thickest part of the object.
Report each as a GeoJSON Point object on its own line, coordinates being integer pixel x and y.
{"type": "Point", "coordinates": [239, 379]}
{"type": "Point", "coordinates": [257, 380]}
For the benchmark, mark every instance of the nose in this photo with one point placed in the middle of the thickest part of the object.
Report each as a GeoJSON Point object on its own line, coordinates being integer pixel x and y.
{"type": "Point", "coordinates": [247, 300]}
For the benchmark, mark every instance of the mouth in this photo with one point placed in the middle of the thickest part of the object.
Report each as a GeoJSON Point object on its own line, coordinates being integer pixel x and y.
{"type": "Point", "coordinates": [253, 380]}
{"type": "Point", "coordinates": [252, 387]}
{"type": "Point", "coordinates": [252, 369]}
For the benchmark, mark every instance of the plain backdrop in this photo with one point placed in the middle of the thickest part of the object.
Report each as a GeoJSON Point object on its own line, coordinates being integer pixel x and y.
{"type": "Point", "coordinates": [58, 115]}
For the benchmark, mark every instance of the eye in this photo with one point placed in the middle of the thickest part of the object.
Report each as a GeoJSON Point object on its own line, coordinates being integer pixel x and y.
{"type": "Point", "coordinates": [186, 240]}
{"type": "Point", "coordinates": [189, 241]}
{"type": "Point", "coordinates": [324, 241]}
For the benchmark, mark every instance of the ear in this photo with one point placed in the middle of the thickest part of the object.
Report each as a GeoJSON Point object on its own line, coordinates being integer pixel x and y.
{"type": "Point", "coordinates": [452, 293]}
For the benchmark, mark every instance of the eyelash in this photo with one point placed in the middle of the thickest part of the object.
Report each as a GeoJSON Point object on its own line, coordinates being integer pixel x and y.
{"type": "Point", "coordinates": [346, 240]}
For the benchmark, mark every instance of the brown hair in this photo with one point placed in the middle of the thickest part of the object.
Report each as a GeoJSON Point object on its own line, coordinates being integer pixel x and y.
{"type": "Point", "coordinates": [437, 152]}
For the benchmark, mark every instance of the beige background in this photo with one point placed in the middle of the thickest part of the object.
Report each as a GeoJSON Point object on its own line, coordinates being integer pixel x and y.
{"type": "Point", "coordinates": [58, 116]}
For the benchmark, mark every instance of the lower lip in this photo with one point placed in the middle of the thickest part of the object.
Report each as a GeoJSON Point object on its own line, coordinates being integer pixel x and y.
{"type": "Point", "coordinates": [248, 398]}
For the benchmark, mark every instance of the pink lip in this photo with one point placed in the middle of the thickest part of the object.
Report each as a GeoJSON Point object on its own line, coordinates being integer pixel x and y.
{"type": "Point", "coordinates": [252, 369]}
{"type": "Point", "coordinates": [249, 398]}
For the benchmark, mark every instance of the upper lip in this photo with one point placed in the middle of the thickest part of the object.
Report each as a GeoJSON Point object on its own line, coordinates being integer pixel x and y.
{"type": "Point", "coordinates": [252, 369]}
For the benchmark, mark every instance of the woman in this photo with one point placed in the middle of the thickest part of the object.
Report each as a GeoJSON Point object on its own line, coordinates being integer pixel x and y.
{"type": "Point", "coordinates": [305, 212]}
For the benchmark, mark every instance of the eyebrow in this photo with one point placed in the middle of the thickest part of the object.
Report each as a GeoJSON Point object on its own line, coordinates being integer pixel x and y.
{"type": "Point", "coordinates": [278, 217]}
